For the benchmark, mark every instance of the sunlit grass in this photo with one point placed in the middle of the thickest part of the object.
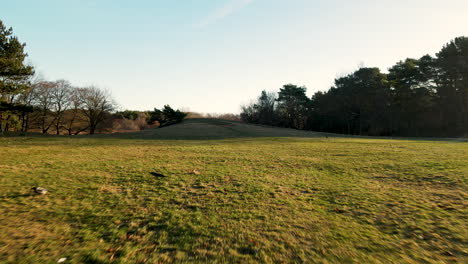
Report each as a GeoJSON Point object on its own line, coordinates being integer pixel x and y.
{"type": "Point", "coordinates": [250, 200]}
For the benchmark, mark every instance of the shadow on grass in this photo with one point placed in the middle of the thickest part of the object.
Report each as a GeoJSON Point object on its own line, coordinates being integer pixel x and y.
{"type": "Point", "coordinates": [17, 196]}
{"type": "Point", "coordinates": [216, 129]}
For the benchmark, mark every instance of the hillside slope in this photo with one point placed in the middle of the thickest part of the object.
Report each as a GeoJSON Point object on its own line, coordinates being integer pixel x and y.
{"type": "Point", "coordinates": [216, 129]}
{"type": "Point", "coordinates": [203, 128]}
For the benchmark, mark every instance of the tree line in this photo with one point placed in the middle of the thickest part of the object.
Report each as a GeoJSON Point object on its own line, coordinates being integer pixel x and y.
{"type": "Point", "coordinates": [416, 97]}
{"type": "Point", "coordinates": [58, 107]}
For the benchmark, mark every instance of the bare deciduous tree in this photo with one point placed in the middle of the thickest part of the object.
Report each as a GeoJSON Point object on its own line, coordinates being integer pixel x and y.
{"type": "Point", "coordinates": [96, 104]}
{"type": "Point", "coordinates": [61, 102]}
{"type": "Point", "coordinates": [43, 102]}
{"type": "Point", "coordinates": [73, 115]}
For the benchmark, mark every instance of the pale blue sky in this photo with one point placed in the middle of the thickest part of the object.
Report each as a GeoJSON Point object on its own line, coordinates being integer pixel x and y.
{"type": "Point", "coordinates": [213, 55]}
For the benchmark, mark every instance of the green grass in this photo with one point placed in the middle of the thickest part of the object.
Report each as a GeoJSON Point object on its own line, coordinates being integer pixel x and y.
{"type": "Point", "coordinates": [232, 195]}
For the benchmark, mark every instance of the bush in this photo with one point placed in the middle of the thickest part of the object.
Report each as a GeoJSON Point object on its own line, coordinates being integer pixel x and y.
{"type": "Point", "coordinates": [166, 116]}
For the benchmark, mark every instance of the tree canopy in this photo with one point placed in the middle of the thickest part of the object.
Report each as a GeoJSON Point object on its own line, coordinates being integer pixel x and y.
{"type": "Point", "coordinates": [417, 97]}
{"type": "Point", "coordinates": [14, 74]}
{"type": "Point", "coordinates": [166, 116]}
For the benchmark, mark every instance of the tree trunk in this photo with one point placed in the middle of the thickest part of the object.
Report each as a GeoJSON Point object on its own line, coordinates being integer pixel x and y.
{"type": "Point", "coordinates": [57, 127]}
{"type": "Point", "coordinates": [7, 125]}
{"type": "Point", "coordinates": [1, 122]}
{"type": "Point", "coordinates": [23, 122]}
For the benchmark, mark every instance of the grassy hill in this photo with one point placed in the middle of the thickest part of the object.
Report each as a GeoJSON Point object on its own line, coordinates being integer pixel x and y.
{"type": "Point", "coordinates": [232, 193]}
{"type": "Point", "coordinates": [198, 129]}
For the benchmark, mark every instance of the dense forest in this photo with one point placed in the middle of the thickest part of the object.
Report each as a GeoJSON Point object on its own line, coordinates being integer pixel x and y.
{"type": "Point", "coordinates": [417, 97]}
{"type": "Point", "coordinates": [31, 104]}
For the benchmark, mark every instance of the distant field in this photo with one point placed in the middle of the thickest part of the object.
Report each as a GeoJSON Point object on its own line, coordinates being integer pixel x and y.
{"type": "Point", "coordinates": [233, 193]}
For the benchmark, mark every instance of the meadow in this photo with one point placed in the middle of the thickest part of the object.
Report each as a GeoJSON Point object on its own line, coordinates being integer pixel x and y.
{"type": "Point", "coordinates": [208, 191]}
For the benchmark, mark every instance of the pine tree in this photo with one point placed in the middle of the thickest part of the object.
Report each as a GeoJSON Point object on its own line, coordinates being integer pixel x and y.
{"type": "Point", "coordinates": [14, 75]}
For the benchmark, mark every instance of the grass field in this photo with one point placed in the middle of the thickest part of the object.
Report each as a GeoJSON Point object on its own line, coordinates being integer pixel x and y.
{"type": "Point", "coordinates": [232, 193]}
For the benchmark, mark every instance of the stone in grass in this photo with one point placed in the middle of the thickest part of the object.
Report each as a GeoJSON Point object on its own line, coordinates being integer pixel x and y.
{"type": "Point", "coordinates": [195, 171]}
{"type": "Point", "coordinates": [61, 260]}
{"type": "Point", "coordinates": [39, 190]}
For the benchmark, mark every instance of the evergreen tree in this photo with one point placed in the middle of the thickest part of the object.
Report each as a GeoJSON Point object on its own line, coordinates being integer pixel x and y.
{"type": "Point", "coordinates": [452, 86]}
{"type": "Point", "coordinates": [14, 76]}
{"type": "Point", "coordinates": [293, 106]}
